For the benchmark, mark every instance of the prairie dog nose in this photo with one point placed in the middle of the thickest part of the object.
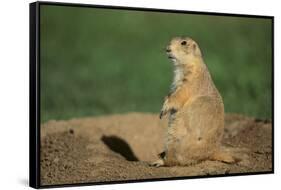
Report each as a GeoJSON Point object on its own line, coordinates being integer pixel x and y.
{"type": "Point", "coordinates": [168, 49]}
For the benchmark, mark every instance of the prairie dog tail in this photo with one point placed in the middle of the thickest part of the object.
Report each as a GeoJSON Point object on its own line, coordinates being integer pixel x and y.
{"type": "Point", "coordinates": [230, 155]}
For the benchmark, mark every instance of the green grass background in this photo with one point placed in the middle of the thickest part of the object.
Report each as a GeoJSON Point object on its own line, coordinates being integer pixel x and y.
{"type": "Point", "coordinates": [103, 61]}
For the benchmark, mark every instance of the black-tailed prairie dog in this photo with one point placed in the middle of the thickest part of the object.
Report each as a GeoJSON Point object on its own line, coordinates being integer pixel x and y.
{"type": "Point", "coordinates": [195, 110]}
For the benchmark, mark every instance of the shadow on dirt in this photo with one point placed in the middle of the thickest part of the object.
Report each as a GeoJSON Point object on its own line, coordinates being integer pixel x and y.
{"type": "Point", "coordinates": [120, 146]}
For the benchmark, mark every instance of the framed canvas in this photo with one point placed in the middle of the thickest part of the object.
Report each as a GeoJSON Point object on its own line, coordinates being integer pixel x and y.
{"type": "Point", "coordinates": [122, 94]}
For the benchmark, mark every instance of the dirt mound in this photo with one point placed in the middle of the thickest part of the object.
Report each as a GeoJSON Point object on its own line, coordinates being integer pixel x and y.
{"type": "Point", "coordinates": [119, 147]}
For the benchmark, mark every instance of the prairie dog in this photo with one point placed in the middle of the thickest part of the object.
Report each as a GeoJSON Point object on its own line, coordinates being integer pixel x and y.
{"type": "Point", "coordinates": [195, 110]}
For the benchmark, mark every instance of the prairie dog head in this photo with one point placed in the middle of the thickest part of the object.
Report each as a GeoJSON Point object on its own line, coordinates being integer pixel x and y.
{"type": "Point", "coordinates": [183, 50]}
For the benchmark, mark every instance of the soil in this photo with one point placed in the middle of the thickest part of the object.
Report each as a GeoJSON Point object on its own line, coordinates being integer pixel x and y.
{"type": "Point", "coordinates": [119, 147]}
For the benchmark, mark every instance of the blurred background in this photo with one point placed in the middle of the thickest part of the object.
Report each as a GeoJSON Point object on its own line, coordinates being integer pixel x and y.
{"type": "Point", "coordinates": [102, 61]}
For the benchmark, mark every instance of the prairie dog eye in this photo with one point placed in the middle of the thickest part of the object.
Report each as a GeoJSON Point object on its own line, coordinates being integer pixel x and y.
{"type": "Point", "coordinates": [183, 43]}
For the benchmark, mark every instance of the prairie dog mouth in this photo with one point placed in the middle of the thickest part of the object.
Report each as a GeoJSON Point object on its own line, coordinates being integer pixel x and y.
{"type": "Point", "coordinates": [171, 56]}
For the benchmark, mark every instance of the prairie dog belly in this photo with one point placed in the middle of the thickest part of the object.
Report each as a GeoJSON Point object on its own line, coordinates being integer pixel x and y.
{"type": "Point", "coordinates": [195, 131]}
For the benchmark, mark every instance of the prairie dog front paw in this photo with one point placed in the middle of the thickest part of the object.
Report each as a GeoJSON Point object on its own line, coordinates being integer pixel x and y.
{"type": "Point", "coordinates": [168, 106]}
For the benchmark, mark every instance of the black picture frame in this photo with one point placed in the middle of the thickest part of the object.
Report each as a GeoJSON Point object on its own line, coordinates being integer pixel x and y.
{"type": "Point", "coordinates": [34, 93]}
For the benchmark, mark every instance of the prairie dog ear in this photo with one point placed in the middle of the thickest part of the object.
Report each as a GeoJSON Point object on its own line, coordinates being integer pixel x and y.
{"type": "Point", "coordinates": [196, 49]}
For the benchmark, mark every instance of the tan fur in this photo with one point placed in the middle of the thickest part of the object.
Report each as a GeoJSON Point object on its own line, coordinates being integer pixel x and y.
{"type": "Point", "coordinates": [195, 109]}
